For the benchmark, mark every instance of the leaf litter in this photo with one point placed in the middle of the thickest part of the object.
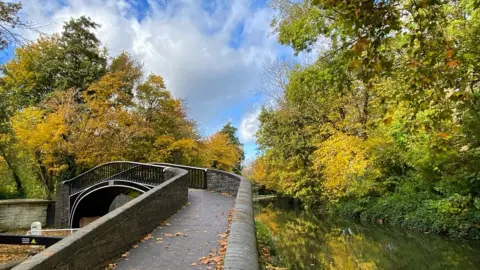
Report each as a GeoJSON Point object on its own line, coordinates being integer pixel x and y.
{"type": "Point", "coordinates": [216, 258]}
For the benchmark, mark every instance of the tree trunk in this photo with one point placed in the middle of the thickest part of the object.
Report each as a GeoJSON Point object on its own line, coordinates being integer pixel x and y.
{"type": "Point", "coordinates": [43, 175]}
{"type": "Point", "coordinates": [364, 112]}
{"type": "Point", "coordinates": [16, 177]}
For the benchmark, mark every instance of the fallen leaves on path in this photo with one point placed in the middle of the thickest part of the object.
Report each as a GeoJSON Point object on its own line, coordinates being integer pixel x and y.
{"type": "Point", "coordinates": [211, 259]}
{"type": "Point", "coordinates": [110, 266]}
{"type": "Point", "coordinates": [216, 258]}
{"type": "Point", "coordinates": [146, 237]}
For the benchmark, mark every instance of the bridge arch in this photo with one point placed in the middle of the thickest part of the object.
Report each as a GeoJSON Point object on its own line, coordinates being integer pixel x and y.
{"type": "Point", "coordinates": [97, 199]}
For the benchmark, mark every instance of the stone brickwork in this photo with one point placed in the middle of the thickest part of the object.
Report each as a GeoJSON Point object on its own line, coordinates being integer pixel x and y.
{"type": "Point", "coordinates": [222, 182]}
{"type": "Point", "coordinates": [114, 233]}
{"type": "Point", "coordinates": [19, 214]}
{"type": "Point", "coordinates": [62, 206]}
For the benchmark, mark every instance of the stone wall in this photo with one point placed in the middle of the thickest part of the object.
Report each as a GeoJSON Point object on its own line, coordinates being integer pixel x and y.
{"type": "Point", "coordinates": [19, 214]}
{"type": "Point", "coordinates": [62, 206]}
{"type": "Point", "coordinates": [114, 233]}
{"type": "Point", "coordinates": [222, 182]}
{"type": "Point", "coordinates": [242, 242]}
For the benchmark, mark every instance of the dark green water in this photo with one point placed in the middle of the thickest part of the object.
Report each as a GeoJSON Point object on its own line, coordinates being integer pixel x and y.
{"type": "Point", "coordinates": [307, 241]}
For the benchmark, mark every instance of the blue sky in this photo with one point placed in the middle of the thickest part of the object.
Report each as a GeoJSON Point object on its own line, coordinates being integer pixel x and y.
{"type": "Point", "coordinates": [210, 53]}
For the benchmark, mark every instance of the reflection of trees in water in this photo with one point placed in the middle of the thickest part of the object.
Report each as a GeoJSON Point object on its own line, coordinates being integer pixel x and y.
{"type": "Point", "coordinates": [306, 241]}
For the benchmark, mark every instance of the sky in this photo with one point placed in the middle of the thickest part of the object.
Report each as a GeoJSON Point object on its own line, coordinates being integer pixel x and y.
{"type": "Point", "coordinates": [210, 52]}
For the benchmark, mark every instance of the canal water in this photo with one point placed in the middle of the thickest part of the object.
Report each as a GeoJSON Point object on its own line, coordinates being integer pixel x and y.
{"type": "Point", "coordinates": [307, 241]}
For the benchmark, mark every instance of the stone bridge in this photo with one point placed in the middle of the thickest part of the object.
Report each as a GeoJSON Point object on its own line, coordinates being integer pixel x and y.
{"type": "Point", "coordinates": [189, 200]}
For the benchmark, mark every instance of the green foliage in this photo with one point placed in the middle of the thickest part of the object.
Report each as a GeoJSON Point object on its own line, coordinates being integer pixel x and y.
{"type": "Point", "coordinates": [83, 60]}
{"type": "Point", "coordinates": [384, 124]}
{"type": "Point", "coordinates": [73, 59]}
{"type": "Point", "coordinates": [454, 215]}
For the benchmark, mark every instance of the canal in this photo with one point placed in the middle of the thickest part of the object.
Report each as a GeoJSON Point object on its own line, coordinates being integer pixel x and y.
{"type": "Point", "coordinates": [307, 241]}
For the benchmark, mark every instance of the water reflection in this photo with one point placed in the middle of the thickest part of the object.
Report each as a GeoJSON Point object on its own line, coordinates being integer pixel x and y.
{"type": "Point", "coordinates": [306, 241]}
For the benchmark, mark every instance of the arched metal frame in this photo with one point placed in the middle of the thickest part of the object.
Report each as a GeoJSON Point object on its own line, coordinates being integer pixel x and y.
{"type": "Point", "coordinates": [103, 185]}
{"type": "Point", "coordinates": [149, 174]}
{"type": "Point", "coordinates": [133, 175]}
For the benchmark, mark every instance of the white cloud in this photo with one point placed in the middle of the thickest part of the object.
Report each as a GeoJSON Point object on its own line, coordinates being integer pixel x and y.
{"type": "Point", "coordinates": [182, 42]}
{"type": "Point", "coordinates": [249, 126]}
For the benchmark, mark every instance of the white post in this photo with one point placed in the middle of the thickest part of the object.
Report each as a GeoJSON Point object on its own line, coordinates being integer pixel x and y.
{"type": "Point", "coordinates": [36, 229]}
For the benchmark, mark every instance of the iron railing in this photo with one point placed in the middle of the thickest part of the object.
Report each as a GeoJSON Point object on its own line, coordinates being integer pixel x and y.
{"type": "Point", "coordinates": [197, 177]}
{"type": "Point", "coordinates": [120, 170]}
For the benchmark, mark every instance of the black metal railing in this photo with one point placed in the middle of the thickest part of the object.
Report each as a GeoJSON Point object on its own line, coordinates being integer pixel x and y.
{"type": "Point", "coordinates": [197, 177]}
{"type": "Point", "coordinates": [120, 170]}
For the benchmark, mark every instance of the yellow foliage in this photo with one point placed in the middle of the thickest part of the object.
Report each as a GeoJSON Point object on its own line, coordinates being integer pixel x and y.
{"type": "Point", "coordinates": [20, 74]}
{"type": "Point", "coordinates": [37, 130]}
{"type": "Point", "coordinates": [183, 151]}
{"type": "Point", "coordinates": [342, 159]}
{"type": "Point", "coordinates": [107, 92]}
{"type": "Point", "coordinates": [219, 153]}
{"type": "Point", "coordinates": [259, 172]}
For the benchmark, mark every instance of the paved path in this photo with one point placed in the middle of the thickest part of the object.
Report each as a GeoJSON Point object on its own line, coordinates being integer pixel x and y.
{"type": "Point", "coordinates": [201, 221]}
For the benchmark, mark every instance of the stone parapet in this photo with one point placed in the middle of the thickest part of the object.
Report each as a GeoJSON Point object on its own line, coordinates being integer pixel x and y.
{"type": "Point", "coordinates": [19, 214]}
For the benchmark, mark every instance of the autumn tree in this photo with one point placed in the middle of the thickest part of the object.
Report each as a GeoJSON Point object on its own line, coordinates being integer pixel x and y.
{"type": "Point", "coordinates": [32, 73]}
{"type": "Point", "coordinates": [54, 63]}
{"type": "Point", "coordinates": [42, 133]}
{"type": "Point", "coordinates": [72, 59]}
{"type": "Point", "coordinates": [220, 153]}
{"type": "Point", "coordinates": [130, 67]}
{"type": "Point", "coordinates": [172, 134]}
{"type": "Point", "coordinates": [233, 140]}
{"type": "Point", "coordinates": [381, 124]}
